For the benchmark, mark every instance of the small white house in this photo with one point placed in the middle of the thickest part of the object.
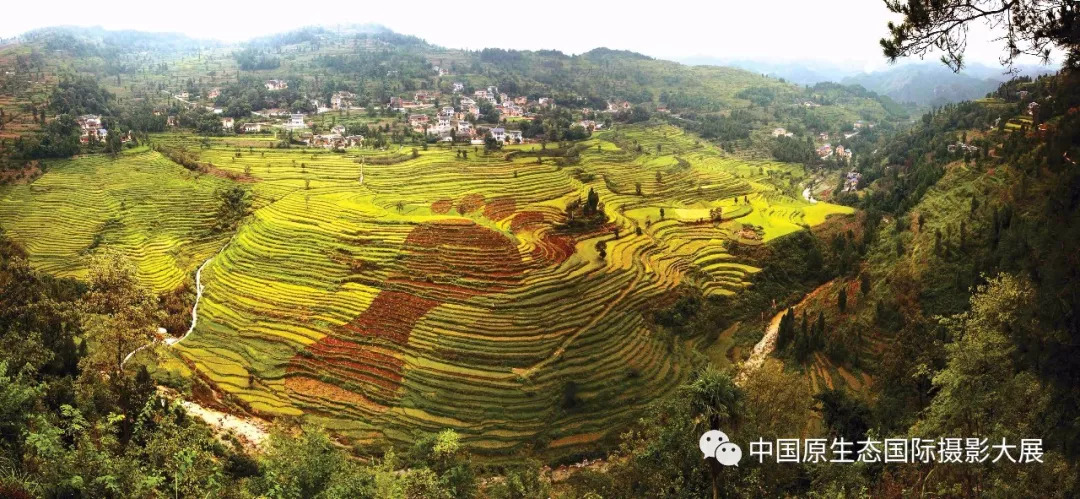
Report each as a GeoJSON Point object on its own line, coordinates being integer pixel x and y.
{"type": "Point", "coordinates": [341, 100]}
{"type": "Point", "coordinates": [295, 121]}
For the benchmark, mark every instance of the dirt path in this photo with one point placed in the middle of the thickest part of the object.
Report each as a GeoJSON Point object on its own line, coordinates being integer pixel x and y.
{"type": "Point", "coordinates": [198, 297]}
{"type": "Point", "coordinates": [250, 431]}
{"type": "Point", "coordinates": [253, 433]}
{"type": "Point", "coordinates": [170, 341]}
{"type": "Point", "coordinates": [767, 344]}
{"type": "Point", "coordinates": [762, 349]}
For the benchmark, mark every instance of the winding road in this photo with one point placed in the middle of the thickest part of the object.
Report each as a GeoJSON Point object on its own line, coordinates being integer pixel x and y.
{"type": "Point", "coordinates": [170, 341]}
{"type": "Point", "coordinates": [198, 297]}
{"type": "Point", "coordinates": [252, 432]}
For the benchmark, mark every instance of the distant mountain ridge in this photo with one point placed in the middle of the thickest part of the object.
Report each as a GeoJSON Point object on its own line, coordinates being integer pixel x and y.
{"type": "Point", "coordinates": [919, 83]}
{"type": "Point", "coordinates": [925, 84]}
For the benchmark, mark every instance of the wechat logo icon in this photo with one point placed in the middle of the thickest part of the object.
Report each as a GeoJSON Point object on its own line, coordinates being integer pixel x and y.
{"type": "Point", "coordinates": [717, 445]}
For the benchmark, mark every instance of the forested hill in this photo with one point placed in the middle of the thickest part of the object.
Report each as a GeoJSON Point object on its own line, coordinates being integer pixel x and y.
{"type": "Point", "coordinates": [143, 72]}
{"type": "Point", "coordinates": [966, 305]}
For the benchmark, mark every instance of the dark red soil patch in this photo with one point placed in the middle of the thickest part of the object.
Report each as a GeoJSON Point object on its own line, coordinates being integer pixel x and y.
{"type": "Point", "coordinates": [218, 172]}
{"type": "Point", "coordinates": [442, 206]}
{"type": "Point", "coordinates": [499, 208]}
{"type": "Point", "coordinates": [454, 257]}
{"type": "Point", "coordinates": [526, 220]}
{"type": "Point", "coordinates": [554, 248]}
{"type": "Point", "coordinates": [346, 354]}
{"type": "Point", "coordinates": [470, 203]}
{"type": "Point", "coordinates": [440, 261]}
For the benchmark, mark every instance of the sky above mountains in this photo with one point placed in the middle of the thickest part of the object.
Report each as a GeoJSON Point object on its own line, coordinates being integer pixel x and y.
{"type": "Point", "coordinates": [842, 32]}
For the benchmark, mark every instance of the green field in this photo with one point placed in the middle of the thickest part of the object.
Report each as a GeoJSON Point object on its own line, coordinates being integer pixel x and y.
{"type": "Point", "coordinates": [156, 212]}
{"type": "Point", "coordinates": [437, 293]}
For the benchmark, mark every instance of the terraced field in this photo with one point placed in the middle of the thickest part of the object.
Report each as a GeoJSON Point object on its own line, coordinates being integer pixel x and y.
{"type": "Point", "coordinates": [153, 210]}
{"type": "Point", "coordinates": [441, 292]}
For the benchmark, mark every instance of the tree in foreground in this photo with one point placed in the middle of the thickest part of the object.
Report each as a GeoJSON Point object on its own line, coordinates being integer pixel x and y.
{"type": "Point", "coordinates": [1031, 27]}
{"type": "Point", "coordinates": [119, 312]}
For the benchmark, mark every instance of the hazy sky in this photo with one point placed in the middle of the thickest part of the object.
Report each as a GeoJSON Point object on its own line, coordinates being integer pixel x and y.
{"type": "Point", "coordinates": [839, 31]}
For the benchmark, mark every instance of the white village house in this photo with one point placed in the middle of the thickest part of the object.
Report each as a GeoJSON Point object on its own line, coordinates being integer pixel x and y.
{"type": "Point", "coordinates": [296, 121]}
{"type": "Point", "coordinates": [276, 85]}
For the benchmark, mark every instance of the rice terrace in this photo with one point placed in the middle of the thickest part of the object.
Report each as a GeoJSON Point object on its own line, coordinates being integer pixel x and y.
{"type": "Point", "coordinates": [381, 292]}
{"type": "Point", "coordinates": [540, 252]}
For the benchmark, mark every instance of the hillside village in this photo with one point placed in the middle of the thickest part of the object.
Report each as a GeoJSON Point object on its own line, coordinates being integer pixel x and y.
{"type": "Point", "coordinates": [448, 104]}
{"type": "Point", "coordinates": [457, 98]}
{"type": "Point", "coordinates": [462, 118]}
{"type": "Point", "coordinates": [463, 115]}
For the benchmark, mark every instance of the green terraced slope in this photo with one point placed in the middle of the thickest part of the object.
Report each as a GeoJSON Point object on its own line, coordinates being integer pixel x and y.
{"type": "Point", "coordinates": [441, 292]}
{"type": "Point", "coordinates": [156, 212]}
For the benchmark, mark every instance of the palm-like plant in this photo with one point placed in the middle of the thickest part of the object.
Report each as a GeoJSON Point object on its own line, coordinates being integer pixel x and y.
{"type": "Point", "coordinates": [714, 399]}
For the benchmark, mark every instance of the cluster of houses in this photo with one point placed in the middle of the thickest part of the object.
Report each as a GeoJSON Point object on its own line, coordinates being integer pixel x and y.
{"type": "Point", "coordinates": [447, 123]}
{"type": "Point", "coordinates": [90, 128]}
{"type": "Point", "coordinates": [450, 122]}
{"type": "Point", "coordinates": [336, 139]}
{"type": "Point", "coordinates": [962, 147]}
{"type": "Point", "coordinates": [504, 136]}
{"type": "Point", "coordinates": [398, 104]}
{"type": "Point", "coordinates": [590, 125]}
{"type": "Point", "coordinates": [851, 181]}
{"type": "Point", "coordinates": [781, 132]}
{"type": "Point", "coordinates": [342, 100]}
{"type": "Point", "coordinates": [1033, 108]}
{"type": "Point", "coordinates": [840, 151]}
{"type": "Point", "coordinates": [273, 85]}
